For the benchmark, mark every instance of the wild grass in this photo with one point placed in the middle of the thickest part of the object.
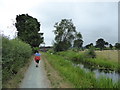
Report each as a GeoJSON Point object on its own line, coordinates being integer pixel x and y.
{"type": "Point", "coordinates": [111, 55]}
{"type": "Point", "coordinates": [98, 62]}
{"type": "Point", "coordinates": [77, 76]}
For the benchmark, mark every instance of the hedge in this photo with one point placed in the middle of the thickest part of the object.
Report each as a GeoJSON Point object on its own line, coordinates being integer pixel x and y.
{"type": "Point", "coordinates": [15, 54]}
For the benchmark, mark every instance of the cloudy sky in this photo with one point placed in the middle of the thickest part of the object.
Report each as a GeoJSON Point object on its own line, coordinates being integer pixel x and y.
{"type": "Point", "coordinates": [94, 19]}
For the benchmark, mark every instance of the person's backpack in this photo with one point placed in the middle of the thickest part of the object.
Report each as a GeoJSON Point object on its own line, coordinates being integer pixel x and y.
{"type": "Point", "coordinates": [37, 57]}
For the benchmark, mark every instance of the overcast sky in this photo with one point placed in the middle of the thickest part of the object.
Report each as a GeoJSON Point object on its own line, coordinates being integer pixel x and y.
{"type": "Point", "coordinates": [93, 19]}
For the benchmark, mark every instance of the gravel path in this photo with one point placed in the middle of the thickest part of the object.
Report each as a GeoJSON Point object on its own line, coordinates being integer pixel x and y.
{"type": "Point", "coordinates": [35, 77]}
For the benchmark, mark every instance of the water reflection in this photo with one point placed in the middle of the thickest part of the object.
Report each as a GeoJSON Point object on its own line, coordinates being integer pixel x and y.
{"type": "Point", "coordinates": [99, 72]}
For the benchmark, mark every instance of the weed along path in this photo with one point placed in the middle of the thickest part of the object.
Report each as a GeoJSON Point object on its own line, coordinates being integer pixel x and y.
{"type": "Point", "coordinates": [35, 77]}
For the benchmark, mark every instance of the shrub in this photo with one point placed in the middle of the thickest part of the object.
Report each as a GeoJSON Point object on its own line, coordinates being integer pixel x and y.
{"type": "Point", "coordinates": [51, 51]}
{"type": "Point", "coordinates": [97, 48]}
{"type": "Point", "coordinates": [15, 55]}
{"type": "Point", "coordinates": [34, 49]}
{"type": "Point", "coordinates": [91, 53]}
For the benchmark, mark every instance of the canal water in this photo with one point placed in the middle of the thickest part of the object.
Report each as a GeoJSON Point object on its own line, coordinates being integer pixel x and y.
{"type": "Point", "coordinates": [112, 75]}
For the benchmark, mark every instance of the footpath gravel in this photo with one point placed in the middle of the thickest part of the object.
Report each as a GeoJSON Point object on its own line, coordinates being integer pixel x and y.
{"type": "Point", "coordinates": [35, 77]}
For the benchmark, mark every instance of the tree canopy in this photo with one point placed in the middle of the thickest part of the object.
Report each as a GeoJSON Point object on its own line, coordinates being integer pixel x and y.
{"type": "Point", "coordinates": [117, 46]}
{"type": "Point", "coordinates": [89, 45]}
{"type": "Point", "coordinates": [65, 34]}
{"type": "Point", "coordinates": [100, 43]}
{"type": "Point", "coordinates": [110, 46]}
{"type": "Point", "coordinates": [78, 42]}
{"type": "Point", "coordinates": [28, 28]}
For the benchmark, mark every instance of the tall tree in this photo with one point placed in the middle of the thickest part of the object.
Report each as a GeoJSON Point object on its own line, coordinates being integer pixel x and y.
{"type": "Point", "coordinates": [78, 42]}
{"type": "Point", "coordinates": [64, 34]}
{"type": "Point", "coordinates": [100, 43]}
{"type": "Point", "coordinates": [28, 28]}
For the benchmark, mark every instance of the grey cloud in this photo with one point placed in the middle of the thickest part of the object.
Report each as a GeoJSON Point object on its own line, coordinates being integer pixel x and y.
{"type": "Point", "coordinates": [92, 19]}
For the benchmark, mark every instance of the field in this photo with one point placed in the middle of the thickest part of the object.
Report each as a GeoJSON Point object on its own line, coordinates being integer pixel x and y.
{"type": "Point", "coordinates": [108, 54]}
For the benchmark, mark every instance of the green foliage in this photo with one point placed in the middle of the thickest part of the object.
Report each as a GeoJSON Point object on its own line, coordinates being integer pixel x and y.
{"type": "Point", "coordinates": [106, 48]}
{"type": "Point", "coordinates": [97, 48]}
{"type": "Point", "coordinates": [78, 77]}
{"type": "Point", "coordinates": [28, 28]}
{"type": "Point", "coordinates": [85, 58]}
{"type": "Point", "coordinates": [15, 54]}
{"type": "Point", "coordinates": [64, 34]}
{"type": "Point", "coordinates": [91, 53]}
{"type": "Point", "coordinates": [117, 46]}
{"type": "Point", "coordinates": [106, 83]}
{"type": "Point", "coordinates": [100, 43]}
{"type": "Point", "coordinates": [34, 49]}
{"type": "Point", "coordinates": [111, 46]}
{"type": "Point", "coordinates": [78, 42]}
{"type": "Point", "coordinates": [61, 46]}
{"type": "Point", "coordinates": [51, 51]}
{"type": "Point", "coordinates": [89, 45]}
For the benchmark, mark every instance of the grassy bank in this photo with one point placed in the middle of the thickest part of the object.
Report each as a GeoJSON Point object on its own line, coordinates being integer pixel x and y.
{"type": "Point", "coordinates": [56, 80]}
{"type": "Point", "coordinates": [98, 62]}
{"type": "Point", "coordinates": [78, 77]}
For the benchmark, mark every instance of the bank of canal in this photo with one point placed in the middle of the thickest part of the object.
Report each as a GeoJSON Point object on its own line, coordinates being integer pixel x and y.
{"type": "Point", "coordinates": [98, 73]}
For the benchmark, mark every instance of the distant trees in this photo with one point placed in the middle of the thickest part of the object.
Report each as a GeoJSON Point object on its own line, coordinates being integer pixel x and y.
{"type": "Point", "coordinates": [110, 46]}
{"type": "Point", "coordinates": [89, 45]}
{"type": "Point", "coordinates": [28, 28]}
{"type": "Point", "coordinates": [100, 43]}
{"type": "Point", "coordinates": [117, 46]}
{"type": "Point", "coordinates": [65, 34]}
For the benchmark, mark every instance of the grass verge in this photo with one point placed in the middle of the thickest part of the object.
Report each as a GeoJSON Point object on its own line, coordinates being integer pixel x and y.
{"type": "Point", "coordinates": [53, 75]}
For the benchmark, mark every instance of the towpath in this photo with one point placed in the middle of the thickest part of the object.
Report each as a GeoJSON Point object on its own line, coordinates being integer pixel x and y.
{"type": "Point", "coordinates": [35, 77]}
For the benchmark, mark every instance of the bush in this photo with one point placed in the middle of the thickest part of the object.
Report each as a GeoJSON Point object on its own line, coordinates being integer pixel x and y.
{"type": "Point", "coordinates": [34, 49]}
{"type": "Point", "coordinates": [51, 51]}
{"type": "Point", "coordinates": [15, 54]}
{"type": "Point", "coordinates": [97, 48]}
{"type": "Point", "coordinates": [91, 53]}
{"type": "Point", "coordinates": [107, 48]}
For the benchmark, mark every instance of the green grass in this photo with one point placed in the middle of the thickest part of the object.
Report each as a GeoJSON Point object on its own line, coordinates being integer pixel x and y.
{"type": "Point", "coordinates": [111, 55]}
{"type": "Point", "coordinates": [98, 62]}
{"type": "Point", "coordinates": [78, 77]}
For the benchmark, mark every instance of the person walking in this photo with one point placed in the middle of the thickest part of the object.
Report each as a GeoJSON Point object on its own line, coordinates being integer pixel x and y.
{"type": "Point", "coordinates": [37, 58]}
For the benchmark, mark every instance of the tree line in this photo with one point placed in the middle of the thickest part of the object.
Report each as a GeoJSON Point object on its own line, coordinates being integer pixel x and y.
{"type": "Point", "coordinates": [66, 35]}
{"type": "Point", "coordinates": [103, 45]}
